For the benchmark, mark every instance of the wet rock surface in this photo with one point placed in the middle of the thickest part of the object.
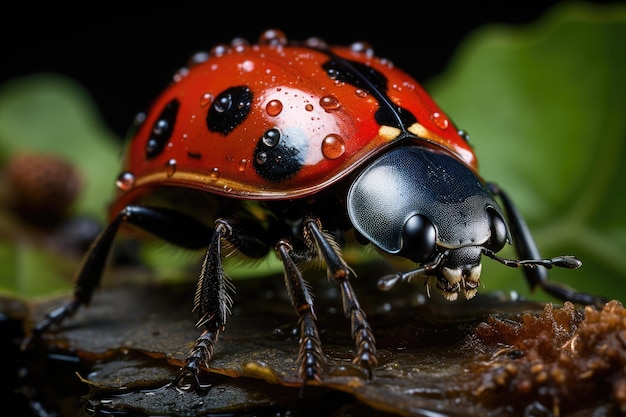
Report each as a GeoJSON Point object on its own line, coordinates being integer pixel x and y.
{"type": "Point", "coordinates": [490, 356]}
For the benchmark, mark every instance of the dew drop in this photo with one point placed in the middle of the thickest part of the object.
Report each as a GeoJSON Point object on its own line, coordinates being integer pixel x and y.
{"type": "Point", "coordinates": [239, 44]}
{"type": "Point", "coordinates": [362, 47]}
{"type": "Point", "coordinates": [329, 103]}
{"type": "Point", "coordinates": [198, 58]}
{"type": "Point", "coordinates": [315, 42]}
{"type": "Point", "coordinates": [360, 93]}
{"type": "Point", "coordinates": [274, 107]}
{"type": "Point", "coordinates": [180, 74]}
{"type": "Point", "coordinates": [243, 164]}
{"type": "Point", "coordinates": [139, 119]}
{"type": "Point", "coordinates": [206, 99]}
{"type": "Point", "coordinates": [333, 146]}
{"type": "Point", "coordinates": [246, 66]}
{"type": "Point", "coordinates": [463, 133]}
{"type": "Point", "coordinates": [125, 181]}
{"type": "Point", "coordinates": [223, 103]}
{"type": "Point", "coordinates": [440, 120]}
{"type": "Point", "coordinates": [219, 50]}
{"type": "Point", "coordinates": [170, 167]}
{"type": "Point", "coordinates": [160, 126]}
{"type": "Point", "coordinates": [273, 37]}
{"type": "Point", "coordinates": [308, 107]}
{"type": "Point", "coordinates": [214, 174]}
{"type": "Point", "coordinates": [261, 158]}
{"type": "Point", "coordinates": [152, 145]}
{"type": "Point", "coordinates": [386, 62]}
{"type": "Point", "coordinates": [271, 137]}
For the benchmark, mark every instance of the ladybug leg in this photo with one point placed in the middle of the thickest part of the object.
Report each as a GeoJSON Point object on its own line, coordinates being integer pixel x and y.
{"type": "Point", "coordinates": [85, 282]}
{"type": "Point", "coordinates": [167, 224]}
{"type": "Point", "coordinates": [212, 301]}
{"type": "Point", "coordinates": [340, 272]}
{"type": "Point", "coordinates": [310, 353]}
{"type": "Point", "coordinates": [527, 249]}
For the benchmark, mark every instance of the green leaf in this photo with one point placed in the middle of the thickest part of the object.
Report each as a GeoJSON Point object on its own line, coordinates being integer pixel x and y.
{"type": "Point", "coordinates": [545, 106]}
{"type": "Point", "coordinates": [27, 271]}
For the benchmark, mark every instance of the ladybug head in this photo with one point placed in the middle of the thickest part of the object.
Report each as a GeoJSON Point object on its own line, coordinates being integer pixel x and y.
{"type": "Point", "coordinates": [427, 206]}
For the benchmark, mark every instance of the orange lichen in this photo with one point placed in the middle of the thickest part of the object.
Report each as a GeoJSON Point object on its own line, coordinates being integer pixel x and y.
{"type": "Point", "coordinates": [562, 358]}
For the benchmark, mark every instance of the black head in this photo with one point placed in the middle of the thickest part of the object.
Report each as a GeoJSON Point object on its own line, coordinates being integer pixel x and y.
{"type": "Point", "coordinates": [429, 207]}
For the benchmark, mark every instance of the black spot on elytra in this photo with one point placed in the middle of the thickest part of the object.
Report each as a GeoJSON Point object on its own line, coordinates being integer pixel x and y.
{"type": "Point", "coordinates": [375, 83]}
{"type": "Point", "coordinates": [229, 109]}
{"type": "Point", "coordinates": [162, 129]}
{"type": "Point", "coordinates": [279, 155]}
{"type": "Point", "coordinates": [357, 74]}
{"type": "Point", "coordinates": [394, 116]}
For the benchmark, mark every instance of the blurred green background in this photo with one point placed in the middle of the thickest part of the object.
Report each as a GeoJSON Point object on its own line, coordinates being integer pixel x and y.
{"type": "Point", "coordinates": [544, 104]}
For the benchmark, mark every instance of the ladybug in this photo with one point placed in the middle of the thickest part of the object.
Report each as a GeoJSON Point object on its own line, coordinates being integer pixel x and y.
{"type": "Point", "coordinates": [302, 148]}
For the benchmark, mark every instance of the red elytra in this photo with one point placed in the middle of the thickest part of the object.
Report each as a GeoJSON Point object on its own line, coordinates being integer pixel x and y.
{"type": "Point", "coordinates": [279, 120]}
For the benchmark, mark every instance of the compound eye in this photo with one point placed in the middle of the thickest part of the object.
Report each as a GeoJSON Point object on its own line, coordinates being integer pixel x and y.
{"type": "Point", "coordinates": [498, 230]}
{"type": "Point", "coordinates": [418, 238]}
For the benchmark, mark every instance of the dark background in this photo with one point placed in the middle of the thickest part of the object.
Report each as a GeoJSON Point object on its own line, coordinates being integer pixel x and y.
{"type": "Point", "coordinates": [124, 56]}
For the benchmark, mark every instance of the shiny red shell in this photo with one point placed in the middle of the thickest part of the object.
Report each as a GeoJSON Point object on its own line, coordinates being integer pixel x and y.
{"type": "Point", "coordinates": [279, 120]}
